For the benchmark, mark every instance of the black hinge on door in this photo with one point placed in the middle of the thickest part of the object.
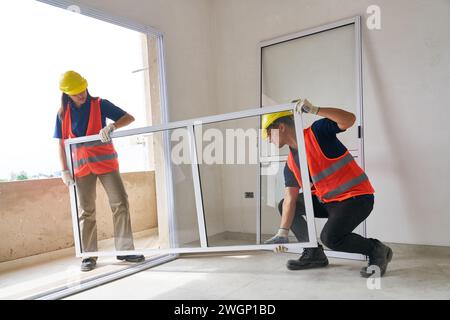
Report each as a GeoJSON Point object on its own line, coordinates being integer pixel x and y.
{"type": "Point", "coordinates": [359, 132]}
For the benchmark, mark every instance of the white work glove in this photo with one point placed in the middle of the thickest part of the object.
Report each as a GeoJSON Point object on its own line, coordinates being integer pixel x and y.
{"type": "Point", "coordinates": [280, 237]}
{"type": "Point", "coordinates": [306, 106]}
{"type": "Point", "coordinates": [67, 178]}
{"type": "Point", "coordinates": [105, 133]}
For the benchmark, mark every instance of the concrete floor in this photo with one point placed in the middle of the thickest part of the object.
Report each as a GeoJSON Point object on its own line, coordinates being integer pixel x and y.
{"type": "Point", "coordinates": [417, 272]}
{"type": "Point", "coordinates": [26, 277]}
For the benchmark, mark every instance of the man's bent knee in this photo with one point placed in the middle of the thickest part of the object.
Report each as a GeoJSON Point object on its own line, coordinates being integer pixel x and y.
{"type": "Point", "coordinates": [330, 241]}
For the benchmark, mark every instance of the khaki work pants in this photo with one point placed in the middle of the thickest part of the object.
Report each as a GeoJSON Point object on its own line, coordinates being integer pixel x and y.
{"type": "Point", "coordinates": [118, 200]}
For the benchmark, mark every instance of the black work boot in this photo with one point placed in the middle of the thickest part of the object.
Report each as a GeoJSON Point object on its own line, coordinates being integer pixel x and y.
{"type": "Point", "coordinates": [131, 258]}
{"type": "Point", "coordinates": [88, 264]}
{"type": "Point", "coordinates": [310, 258]}
{"type": "Point", "coordinates": [380, 257]}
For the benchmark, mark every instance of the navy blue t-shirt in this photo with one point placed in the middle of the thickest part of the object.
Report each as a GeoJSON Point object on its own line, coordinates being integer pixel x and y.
{"type": "Point", "coordinates": [80, 117]}
{"type": "Point", "coordinates": [325, 131]}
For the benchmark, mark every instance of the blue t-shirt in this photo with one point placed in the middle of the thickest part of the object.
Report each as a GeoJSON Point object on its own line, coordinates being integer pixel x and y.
{"type": "Point", "coordinates": [325, 131]}
{"type": "Point", "coordinates": [80, 117]}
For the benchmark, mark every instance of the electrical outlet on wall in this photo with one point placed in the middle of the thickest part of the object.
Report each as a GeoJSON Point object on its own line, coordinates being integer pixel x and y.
{"type": "Point", "coordinates": [249, 195]}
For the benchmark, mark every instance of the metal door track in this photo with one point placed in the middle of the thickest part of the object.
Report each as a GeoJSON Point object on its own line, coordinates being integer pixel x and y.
{"type": "Point", "coordinates": [65, 291]}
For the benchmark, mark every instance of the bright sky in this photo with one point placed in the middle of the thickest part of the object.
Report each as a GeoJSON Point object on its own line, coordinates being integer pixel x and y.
{"type": "Point", "coordinates": [40, 42]}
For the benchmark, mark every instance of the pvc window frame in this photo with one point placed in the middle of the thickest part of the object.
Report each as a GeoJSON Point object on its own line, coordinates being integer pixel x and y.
{"type": "Point", "coordinates": [190, 125]}
{"type": "Point", "coordinates": [359, 153]}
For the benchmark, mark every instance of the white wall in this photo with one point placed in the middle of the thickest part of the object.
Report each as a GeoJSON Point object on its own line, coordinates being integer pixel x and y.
{"type": "Point", "coordinates": [406, 81]}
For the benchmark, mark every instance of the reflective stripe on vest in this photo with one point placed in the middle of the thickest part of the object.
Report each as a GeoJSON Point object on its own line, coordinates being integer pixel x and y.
{"type": "Point", "coordinates": [333, 168]}
{"type": "Point", "coordinates": [333, 179]}
{"type": "Point", "coordinates": [346, 186]}
{"type": "Point", "coordinates": [83, 161]}
{"type": "Point", "coordinates": [91, 144]}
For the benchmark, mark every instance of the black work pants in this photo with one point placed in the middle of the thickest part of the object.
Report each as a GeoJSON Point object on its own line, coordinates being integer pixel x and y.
{"type": "Point", "coordinates": [343, 218]}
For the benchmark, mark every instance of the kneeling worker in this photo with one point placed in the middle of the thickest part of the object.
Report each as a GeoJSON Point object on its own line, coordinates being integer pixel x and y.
{"type": "Point", "coordinates": [341, 190]}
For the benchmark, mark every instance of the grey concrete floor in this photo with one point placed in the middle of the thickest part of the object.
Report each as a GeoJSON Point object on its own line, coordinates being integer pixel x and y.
{"type": "Point", "coordinates": [30, 276]}
{"type": "Point", "coordinates": [416, 272]}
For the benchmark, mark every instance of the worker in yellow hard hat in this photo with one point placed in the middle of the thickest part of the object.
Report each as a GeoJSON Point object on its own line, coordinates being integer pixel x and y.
{"type": "Point", "coordinates": [341, 190]}
{"type": "Point", "coordinates": [72, 83]}
{"type": "Point", "coordinates": [81, 115]}
{"type": "Point", "coordinates": [269, 119]}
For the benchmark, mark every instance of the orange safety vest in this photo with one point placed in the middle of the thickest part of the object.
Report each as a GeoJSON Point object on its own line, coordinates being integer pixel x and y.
{"type": "Point", "coordinates": [90, 157]}
{"type": "Point", "coordinates": [333, 179]}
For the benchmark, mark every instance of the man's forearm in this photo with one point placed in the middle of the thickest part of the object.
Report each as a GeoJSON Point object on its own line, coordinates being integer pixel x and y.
{"type": "Point", "coordinates": [344, 119]}
{"type": "Point", "coordinates": [124, 121]}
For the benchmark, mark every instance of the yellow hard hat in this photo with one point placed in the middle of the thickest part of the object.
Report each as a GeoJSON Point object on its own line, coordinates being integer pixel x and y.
{"type": "Point", "coordinates": [72, 83]}
{"type": "Point", "coordinates": [270, 118]}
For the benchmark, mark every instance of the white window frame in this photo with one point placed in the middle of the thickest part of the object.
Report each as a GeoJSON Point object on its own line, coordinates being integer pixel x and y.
{"type": "Point", "coordinates": [357, 154]}
{"type": "Point", "coordinates": [189, 125]}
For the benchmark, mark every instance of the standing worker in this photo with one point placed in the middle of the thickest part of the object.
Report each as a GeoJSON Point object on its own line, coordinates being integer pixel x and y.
{"type": "Point", "coordinates": [341, 191]}
{"type": "Point", "coordinates": [82, 115]}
